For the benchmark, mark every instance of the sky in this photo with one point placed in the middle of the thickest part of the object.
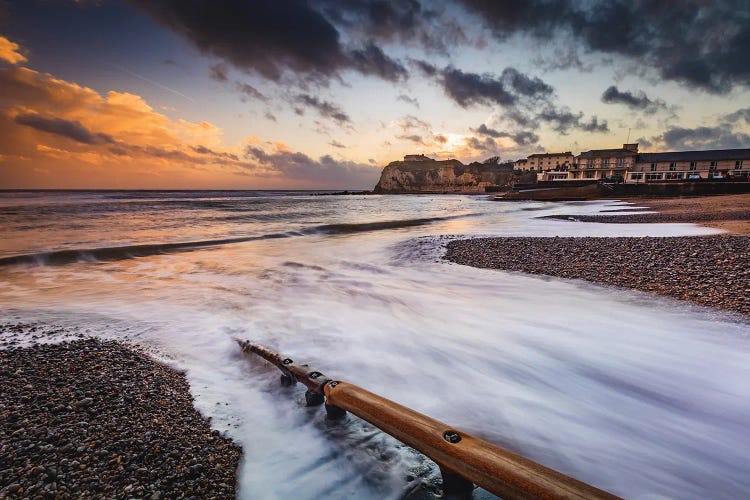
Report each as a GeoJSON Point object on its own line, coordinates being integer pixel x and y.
{"type": "Point", "coordinates": [294, 94]}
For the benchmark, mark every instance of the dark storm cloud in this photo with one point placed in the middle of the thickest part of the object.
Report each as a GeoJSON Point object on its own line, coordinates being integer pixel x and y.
{"type": "Point", "coordinates": [718, 137]}
{"type": "Point", "coordinates": [424, 67]}
{"type": "Point", "coordinates": [525, 85]}
{"type": "Point", "coordinates": [593, 125]}
{"type": "Point", "coordinates": [725, 134]}
{"type": "Point", "coordinates": [402, 22]}
{"type": "Point", "coordinates": [203, 150]}
{"type": "Point", "coordinates": [409, 100]}
{"type": "Point", "coordinates": [413, 138]}
{"type": "Point", "coordinates": [527, 101]}
{"type": "Point", "coordinates": [486, 144]}
{"type": "Point", "coordinates": [324, 108]}
{"type": "Point", "coordinates": [740, 114]}
{"type": "Point", "coordinates": [411, 122]}
{"type": "Point", "coordinates": [64, 128]}
{"type": "Point", "coordinates": [563, 120]}
{"type": "Point", "coordinates": [248, 90]}
{"type": "Point", "coordinates": [269, 37]}
{"type": "Point", "coordinates": [371, 60]}
{"type": "Point", "coordinates": [523, 138]}
{"type": "Point", "coordinates": [699, 43]}
{"type": "Point", "coordinates": [638, 101]}
{"type": "Point", "coordinates": [77, 132]}
{"type": "Point", "coordinates": [207, 156]}
{"type": "Point", "coordinates": [508, 89]}
{"type": "Point", "coordinates": [644, 143]}
{"type": "Point", "coordinates": [326, 170]}
{"type": "Point", "coordinates": [219, 72]}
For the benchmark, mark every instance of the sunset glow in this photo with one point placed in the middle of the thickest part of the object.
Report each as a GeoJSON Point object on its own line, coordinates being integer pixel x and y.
{"type": "Point", "coordinates": [131, 94]}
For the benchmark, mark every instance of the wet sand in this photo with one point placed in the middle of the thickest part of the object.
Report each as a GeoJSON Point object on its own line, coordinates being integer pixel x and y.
{"type": "Point", "coordinates": [92, 418]}
{"type": "Point", "coordinates": [722, 212]}
{"type": "Point", "coordinates": [730, 213]}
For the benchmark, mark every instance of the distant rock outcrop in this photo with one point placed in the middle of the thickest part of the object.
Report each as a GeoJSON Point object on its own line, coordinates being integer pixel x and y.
{"type": "Point", "coordinates": [439, 176]}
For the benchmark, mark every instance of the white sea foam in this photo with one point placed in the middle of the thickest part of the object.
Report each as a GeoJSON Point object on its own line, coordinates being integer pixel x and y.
{"type": "Point", "coordinates": [640, 395]}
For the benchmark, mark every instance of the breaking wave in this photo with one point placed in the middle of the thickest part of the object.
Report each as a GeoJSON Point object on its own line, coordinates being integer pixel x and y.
{"type": "Point", "coordinates": [70, 256]}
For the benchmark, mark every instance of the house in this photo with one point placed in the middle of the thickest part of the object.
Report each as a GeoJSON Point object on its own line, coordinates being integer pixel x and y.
{"type": "Point", "coordinates": [417, 158]}
{"type": "Point", "coordinates": [601, 163]}
{"type": "Point", "coordinates": [676, 165]}
{"type": "Point", "coordinates": [544, 162]}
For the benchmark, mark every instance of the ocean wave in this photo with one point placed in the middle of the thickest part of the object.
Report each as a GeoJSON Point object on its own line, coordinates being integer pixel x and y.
{"type": "Point", "coordinates": [360, 227]}
{"type": "Point", "coordinates": [70, 256]}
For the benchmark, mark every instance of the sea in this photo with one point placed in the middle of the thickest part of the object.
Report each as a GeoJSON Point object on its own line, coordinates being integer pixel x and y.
{"type": "Point", "coordinates": [640, 395]}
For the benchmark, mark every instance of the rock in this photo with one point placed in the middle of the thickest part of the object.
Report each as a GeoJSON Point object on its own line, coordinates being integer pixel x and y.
{"type": "Point", "coordinates": [440, 176]}
{"type": "Point", "coordinates": [83, 403]}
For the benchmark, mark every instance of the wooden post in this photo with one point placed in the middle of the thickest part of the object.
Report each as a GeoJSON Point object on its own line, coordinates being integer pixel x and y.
{"type": "Point", "coordinates": [463, 459]}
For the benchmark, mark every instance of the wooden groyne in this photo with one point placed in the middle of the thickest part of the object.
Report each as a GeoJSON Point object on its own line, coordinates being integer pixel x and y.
{"type": "Point", "coordinates": [464, 460]}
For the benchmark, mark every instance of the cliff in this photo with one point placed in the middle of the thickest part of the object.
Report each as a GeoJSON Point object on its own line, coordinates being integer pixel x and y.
{"type": "Point", "coordinates": [440, 176]}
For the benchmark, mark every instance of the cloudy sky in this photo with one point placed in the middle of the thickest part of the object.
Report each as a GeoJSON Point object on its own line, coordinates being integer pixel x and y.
{"type": "Point", "coordinates": [267, 94]}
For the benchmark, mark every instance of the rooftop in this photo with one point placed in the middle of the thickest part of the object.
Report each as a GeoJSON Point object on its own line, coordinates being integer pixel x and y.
{"type": "Point", "coordinates": [595, 153]}
{"type": "Point", "coordinates": [417, 158]}
{"type": "Point", "coordinates": [713, 154]}
{"type": "Point", "coordinates": [546, 155]}
{"type": "Point", "coordinates": [628, 149]}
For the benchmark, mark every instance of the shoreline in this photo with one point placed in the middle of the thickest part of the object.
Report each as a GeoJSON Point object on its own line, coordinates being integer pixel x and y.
{"type": "Point", "coordinates": [729, 212]}
{"type": "Point", "coordinates": [99, 418]}
{"type": "Point", "coordinates": [710, 271]}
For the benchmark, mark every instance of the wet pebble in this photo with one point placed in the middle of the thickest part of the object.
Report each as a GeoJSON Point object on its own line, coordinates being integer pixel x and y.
{"type": "Point", "coordinates": [92, 418]}
{"type": "Point", "coordinates": [711, 271]}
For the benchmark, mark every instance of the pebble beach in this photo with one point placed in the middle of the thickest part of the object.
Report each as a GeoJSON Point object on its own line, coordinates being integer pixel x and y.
{"type": "Point", "coordinates": [711, 271]}
{"type": "Point", "coordinates": [707, 270]}
{"type": "Point", "coordinates": [99, 419]}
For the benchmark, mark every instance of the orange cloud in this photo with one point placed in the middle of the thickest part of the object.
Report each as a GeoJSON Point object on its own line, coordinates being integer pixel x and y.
{"type": "Point", "coordinates": [75, 137]}
{"type": "Point", "coordinates": [9, 51]}
{"type": "Point", "coordinates": [58, 134]}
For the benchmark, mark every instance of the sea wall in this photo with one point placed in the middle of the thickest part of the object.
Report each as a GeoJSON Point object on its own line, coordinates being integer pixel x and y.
{"type": "Point", "coordinates": [650, 190]}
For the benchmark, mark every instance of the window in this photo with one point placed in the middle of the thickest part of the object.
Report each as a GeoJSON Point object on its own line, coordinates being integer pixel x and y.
{"type": "Point", "coordinates": [672, 167]}
{"type": "Point", "coordinates": [653, 177]}
{"type": "Point", "coordinates": [620, 162]}
{"type": "Point", "coordinates": [714, 164]}
{"type": "Point", "coordinates": [653, 167]}
{"type": "Point", "coordinates": [693, 165]}
{"type": "Point", "coordinates": [738, 165]}
{"type": "Point", "coordinates": [636, 176]}
{"type": "Point", "coordinates": [673, 175]}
